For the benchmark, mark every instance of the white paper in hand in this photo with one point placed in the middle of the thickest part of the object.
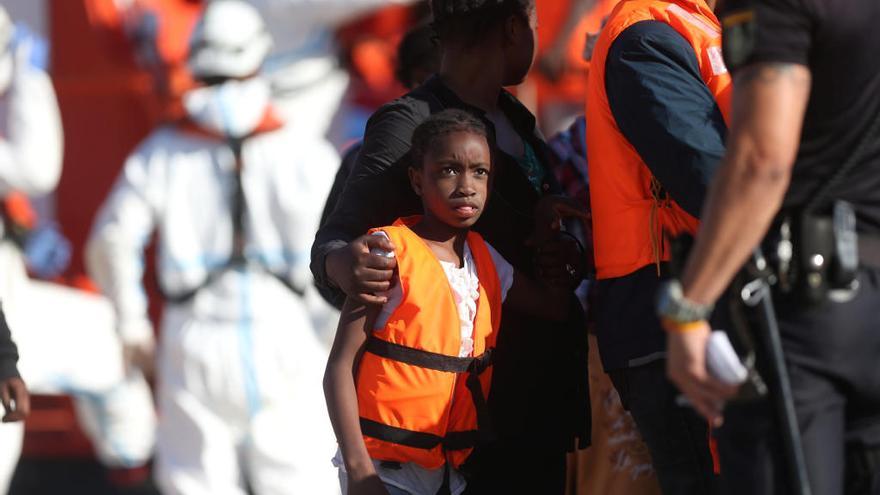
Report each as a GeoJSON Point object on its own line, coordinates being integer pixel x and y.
{"type": "Point", "coordinates": [722, 361]}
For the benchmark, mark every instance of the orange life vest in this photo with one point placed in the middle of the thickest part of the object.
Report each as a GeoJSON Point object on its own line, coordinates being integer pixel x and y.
{"type": "Point", "coordinates": [633, 218]}
{"type": "Point", "coordinates": [418, 400]}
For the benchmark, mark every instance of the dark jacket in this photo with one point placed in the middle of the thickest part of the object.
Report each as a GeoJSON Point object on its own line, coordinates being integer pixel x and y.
{"type": "Point", "coordinates": [539, 388]}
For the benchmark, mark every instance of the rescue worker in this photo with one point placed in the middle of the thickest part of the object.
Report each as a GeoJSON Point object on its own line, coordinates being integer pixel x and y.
{"type": "Point", "coordinates": [657, 102]}
{"type": "Point", "coordinates": [234, 199]}
{"type": "Point", "coordinates": [73, 347]}
{"type": "Point", "coordinates": [805, 137]}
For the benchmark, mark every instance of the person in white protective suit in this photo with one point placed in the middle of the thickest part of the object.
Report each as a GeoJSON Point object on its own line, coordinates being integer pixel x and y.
{"type": "Point", "coordinates": [235, 200]}
{"type": "Point", "coordinates": [66, 338]}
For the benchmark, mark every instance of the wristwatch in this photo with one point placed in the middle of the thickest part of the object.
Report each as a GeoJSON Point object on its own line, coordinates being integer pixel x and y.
{"type": "Point", "coordinates": [672, 305]}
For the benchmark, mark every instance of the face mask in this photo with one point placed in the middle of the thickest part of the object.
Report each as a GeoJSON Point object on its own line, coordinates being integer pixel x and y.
{"type": "Point", "coordinates": [233, 108]}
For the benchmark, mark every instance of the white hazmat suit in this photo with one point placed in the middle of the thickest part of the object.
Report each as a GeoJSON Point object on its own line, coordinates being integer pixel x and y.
{"type": "Point", "coordinates": [240, 366]}
{"type": "Point", "coordinates": [66, 338]}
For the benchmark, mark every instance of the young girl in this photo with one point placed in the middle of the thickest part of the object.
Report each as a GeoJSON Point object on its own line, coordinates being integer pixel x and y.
{"type": "Point", "coordinates": [406, 382]}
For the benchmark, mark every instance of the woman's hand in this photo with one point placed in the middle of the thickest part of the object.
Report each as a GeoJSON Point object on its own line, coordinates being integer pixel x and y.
{"type": "Point", "coordinates": [561, 260]}
{"type": "Point", "coordinates": [358, 272]}
{"type": "Point", "coordinates": [15, 398]}
{"type": "Point", "coordinates": [549, 213]}
{"type": "Point", "coordinates": [366, 483]}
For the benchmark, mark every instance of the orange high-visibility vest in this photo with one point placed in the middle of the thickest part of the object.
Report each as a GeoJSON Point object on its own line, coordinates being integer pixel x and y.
{"type": "Point", "coordinates": [418, 400]}
{"type": "Point", "coordinates": [633, 219]}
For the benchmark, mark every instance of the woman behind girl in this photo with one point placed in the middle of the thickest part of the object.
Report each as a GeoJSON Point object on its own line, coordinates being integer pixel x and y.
{"type": "Point", "coordinates": [406, 381]}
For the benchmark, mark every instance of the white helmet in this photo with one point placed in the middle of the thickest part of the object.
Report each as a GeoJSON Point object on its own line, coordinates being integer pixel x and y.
{"type": "Point", "coordinates": [230, 40]}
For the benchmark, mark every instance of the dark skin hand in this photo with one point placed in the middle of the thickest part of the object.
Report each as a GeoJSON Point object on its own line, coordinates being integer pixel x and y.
{"type": "Point", "coordinates": [15, 398]}
{"type": "Point", "coordinates": [559, 260]}
{"type": "Point", "coordinates": [370, 485]}
{"type": "Point", "coordinates": [360, 274]}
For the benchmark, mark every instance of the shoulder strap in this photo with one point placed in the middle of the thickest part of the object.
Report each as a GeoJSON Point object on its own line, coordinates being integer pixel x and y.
{"type": "Point", "coordinates": [857, 154]}
{"type": "Point", "coordinates": [238, 212]}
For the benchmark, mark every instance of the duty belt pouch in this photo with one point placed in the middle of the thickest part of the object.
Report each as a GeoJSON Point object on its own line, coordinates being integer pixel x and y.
{"type": "Point", "coordinates": [823, 254]}
{"type": "Point", "coordinates": [817, 247]}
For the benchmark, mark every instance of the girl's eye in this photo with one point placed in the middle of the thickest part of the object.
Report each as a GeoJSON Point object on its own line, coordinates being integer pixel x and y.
{"type": "Point", "coordinates": [448, 171]}
{"type": "Point", "coordinates": [482, 171]}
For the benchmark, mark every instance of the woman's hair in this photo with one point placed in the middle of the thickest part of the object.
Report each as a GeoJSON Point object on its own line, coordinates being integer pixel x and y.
{"type": "Point", "coordinates": [470, 20]}
{"type": "Point", "coordinates": [417, 51]}
{"type": "Point", "coordinates": [439, 125]}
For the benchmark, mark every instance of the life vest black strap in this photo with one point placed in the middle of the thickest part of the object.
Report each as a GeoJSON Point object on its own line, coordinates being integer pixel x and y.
{"type": "Point", "coordinates": [427, 359]}
{"type": "Point", "coordinates": [238, 212]}
{"type": "Point", "coordinates": [454, 440]}
{"type": "Point", "coordinates": [473, 366]}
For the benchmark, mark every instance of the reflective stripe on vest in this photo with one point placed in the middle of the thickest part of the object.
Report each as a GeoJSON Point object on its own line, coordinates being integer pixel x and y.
{"type": "Point", "coordinates": [418, 400]}
{"type": "Point", "coordinates": [633, 217]}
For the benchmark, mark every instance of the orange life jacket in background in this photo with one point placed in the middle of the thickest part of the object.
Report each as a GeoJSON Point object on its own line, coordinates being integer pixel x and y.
{"type": "Point", "coordinates": [633, 218]}
{"type": "Point", "coordinates": [418, 400]}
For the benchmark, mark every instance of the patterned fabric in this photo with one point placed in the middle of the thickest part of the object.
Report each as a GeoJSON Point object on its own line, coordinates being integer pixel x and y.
{"type": "Point", "coordinates": [532, 167]}
{"type": "Point", "coordinates": [568, 161]}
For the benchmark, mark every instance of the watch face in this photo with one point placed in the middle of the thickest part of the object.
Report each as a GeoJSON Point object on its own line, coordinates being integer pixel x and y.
{"type": "Point", "coordinates": [672, 304]}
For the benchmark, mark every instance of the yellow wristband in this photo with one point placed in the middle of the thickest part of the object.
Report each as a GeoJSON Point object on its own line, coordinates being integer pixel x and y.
{"type": "Point", "coordinates": [681, 327]}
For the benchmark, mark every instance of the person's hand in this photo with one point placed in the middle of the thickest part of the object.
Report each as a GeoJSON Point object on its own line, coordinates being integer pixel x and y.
{"type": "Point", "coordinates": [549, 213]}
{"type": "Point", "coordinates": [561, 262]}
{"type": "Point", "coordinates": [15, 398]}
{"type": "Point", "coordinates": [366, 484]}
{"type": "Point", "coordinates": [140, 355]}
{"type": "Point", "coordinates": [686, 368]}
{"type": "Point", "coordinates": [359, 273]}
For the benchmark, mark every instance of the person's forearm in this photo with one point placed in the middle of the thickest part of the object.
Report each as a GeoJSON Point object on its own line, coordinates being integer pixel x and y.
{"type": "Point", "coordinates": [742, 202]}
{"type": "Point", "coordinates": [770, 101]}
{"type": "Point", "coordinates": [339, 389]}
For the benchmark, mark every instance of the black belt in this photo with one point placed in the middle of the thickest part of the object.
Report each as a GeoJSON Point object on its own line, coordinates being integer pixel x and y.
{"type": "Point", "coordinates": [453, 440]}
{"type": "Point", "coordinates": [869, 251]}
{"type": "Point", "coordinates": [186, 296]}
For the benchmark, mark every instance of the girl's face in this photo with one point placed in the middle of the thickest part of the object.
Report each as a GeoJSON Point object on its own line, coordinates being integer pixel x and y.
{"type": "Point", "coordinates": [454, 179]}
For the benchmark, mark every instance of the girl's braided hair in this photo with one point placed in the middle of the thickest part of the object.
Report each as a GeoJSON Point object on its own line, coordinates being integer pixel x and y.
{"type": "Point", "coordinates": [439, 125]}
{"type": "Point", "coordinates": [470, 20]}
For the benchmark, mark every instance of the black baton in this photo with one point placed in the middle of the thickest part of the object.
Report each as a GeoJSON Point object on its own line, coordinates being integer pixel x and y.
{"type": "Point", "coordinates": [757, 295]}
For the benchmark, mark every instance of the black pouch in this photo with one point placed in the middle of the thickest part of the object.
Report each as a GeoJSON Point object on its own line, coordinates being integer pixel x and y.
{"type": "Point", "coordinates": [822, 254]}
